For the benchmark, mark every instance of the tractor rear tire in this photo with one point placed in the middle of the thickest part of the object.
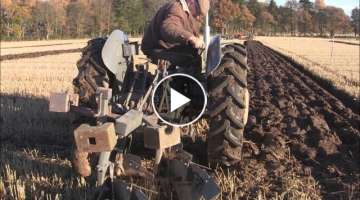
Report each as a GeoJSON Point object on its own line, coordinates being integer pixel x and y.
{"type": "Point", "coordinates": [228, 107]}
{"type": "Point", "coordinates": [92, 73]}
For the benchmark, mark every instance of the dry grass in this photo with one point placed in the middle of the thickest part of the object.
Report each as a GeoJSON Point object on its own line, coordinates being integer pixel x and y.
{"type": "Point", "coordinates": [336, 62]}
{"type": "Point", "coordinates": [35, 142]}
{"type": "Point", "coordinates": [39, 76]}
{"type": "Point", "coordinates": [28, 174]}
{"type": "Point", "coordinates": [292, 186]}
{"type": "Point", "coordinates": [25, 87]}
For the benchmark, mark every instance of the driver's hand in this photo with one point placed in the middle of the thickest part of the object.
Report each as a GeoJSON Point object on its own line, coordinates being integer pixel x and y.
{"type": "Point", "coordinates": [196, 42]}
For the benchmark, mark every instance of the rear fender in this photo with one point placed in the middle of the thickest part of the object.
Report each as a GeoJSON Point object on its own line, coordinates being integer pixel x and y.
{"type": "Point", "coordinates": [113, 54]}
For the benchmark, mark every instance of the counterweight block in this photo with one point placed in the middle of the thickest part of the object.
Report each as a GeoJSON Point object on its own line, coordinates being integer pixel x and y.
{"type": "Point", "coordinates": [61, 102]}
{"type": "Point", "coordinates": [95, 138]}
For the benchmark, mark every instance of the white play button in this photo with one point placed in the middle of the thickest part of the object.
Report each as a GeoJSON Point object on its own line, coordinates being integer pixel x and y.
{"type": "Point", "coordinates": [181, 93]}
{"type": "Point", "coordinates": [177, 100]}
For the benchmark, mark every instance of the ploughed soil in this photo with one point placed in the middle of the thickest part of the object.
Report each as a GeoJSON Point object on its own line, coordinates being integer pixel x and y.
{"type": "Point", "coordinates": [297, 126]}
{"type": "Point", "coordinates": [41, 45]}
{"type": "Point", "coordinates": [349, 43]}
{"type": "Point", "coordinates": [38, 54]}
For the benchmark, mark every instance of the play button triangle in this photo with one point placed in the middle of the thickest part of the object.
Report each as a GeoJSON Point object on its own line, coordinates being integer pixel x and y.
{"type": "Point", "coordinates": [177, 100]}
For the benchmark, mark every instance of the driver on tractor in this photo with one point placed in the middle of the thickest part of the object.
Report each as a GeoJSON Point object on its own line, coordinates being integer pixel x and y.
{"type": "Point", "coordinates": [174, 33]}
{"type": "Point", "coordinates": [173, 36]}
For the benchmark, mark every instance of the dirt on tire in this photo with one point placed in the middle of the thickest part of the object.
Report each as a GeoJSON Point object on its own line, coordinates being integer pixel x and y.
{"type": "Point", "coordinates": [92, 73]}
{"type": "Point", "coordinates": [297, 126]}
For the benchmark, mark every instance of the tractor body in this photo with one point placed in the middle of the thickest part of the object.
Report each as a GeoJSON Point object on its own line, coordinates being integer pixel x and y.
{"type": "Point", "coordinates": [112, 101]}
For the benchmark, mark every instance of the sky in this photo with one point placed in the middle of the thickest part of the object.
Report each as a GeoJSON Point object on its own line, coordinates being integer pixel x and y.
{"type": "Point", "coordinates": [347, 5]}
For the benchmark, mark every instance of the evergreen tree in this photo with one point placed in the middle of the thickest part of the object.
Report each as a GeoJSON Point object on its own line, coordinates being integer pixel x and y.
{"type": "Point", "coordinates": [129, 16]}
{"type": "Point", "coordinates": [355, 20]}
{"type": "Point", "coordinates": [285, 19]}
{"type": "Point", "coordinates": [321, 22]}
{"type": "Point", "coordinates": [240, 2]}
{"type": "Point", "coordinates": [254, 7]}
{"type": "Point", "coordinates": [306, 4]}
{"type": "Point", "coordinates": [293, 6]}
{"type": "Point", "coordinates": [152, 6]}
{"type": "Point", "coordinates": [273, 10]}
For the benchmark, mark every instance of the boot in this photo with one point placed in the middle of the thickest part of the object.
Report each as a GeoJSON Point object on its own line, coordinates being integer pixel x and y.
{"type": "Point", "coordinates": [80, 163]}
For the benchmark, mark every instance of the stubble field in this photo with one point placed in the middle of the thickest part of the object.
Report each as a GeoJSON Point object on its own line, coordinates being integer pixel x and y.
{"type": "Point", "coordinates": [336, 61]}
{"type": "Point", "coordinates": [307, 144]}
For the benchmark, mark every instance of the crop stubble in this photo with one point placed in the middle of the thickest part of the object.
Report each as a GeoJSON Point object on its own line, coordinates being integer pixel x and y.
{"type": "Point", "coordinates": [35, 143]}
{"type": "Point", "coordinates": [336, 62]}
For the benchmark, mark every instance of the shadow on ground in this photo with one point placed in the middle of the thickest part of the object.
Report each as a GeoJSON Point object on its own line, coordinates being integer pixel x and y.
{"type": "Point", "coordinates": [25, 122]}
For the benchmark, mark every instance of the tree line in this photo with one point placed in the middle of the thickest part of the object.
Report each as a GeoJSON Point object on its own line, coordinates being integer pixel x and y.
{"type": "Point", "coordinates": [53, 19]}
{"type": "Point", "coordinates": [303, 18]}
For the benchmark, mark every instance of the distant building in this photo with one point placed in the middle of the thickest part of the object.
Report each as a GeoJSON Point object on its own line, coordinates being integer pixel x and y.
{"type": "Point", "coordinates": [320, 4]}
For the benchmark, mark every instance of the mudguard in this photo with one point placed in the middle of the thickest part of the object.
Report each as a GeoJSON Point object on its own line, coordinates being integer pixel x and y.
{"type": "Point", "coordinates": [213, 56]}
{"type": "Point", "coordinates": [113, 54]}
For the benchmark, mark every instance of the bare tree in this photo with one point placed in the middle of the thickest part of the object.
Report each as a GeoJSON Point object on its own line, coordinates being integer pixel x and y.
{"type": "Point", "coordinates": [336, 20]}
{"type": "Point", "coordinates": [305, 22]}
{"type": "Point", "coordinates": [226, 13]}
{"type": "Point", "coordinates": [266, 20]}
{"type": "Point", "coordinates": [293, 5]}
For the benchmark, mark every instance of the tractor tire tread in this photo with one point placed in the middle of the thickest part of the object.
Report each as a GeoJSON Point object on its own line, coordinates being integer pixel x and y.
{"type": "Point", "coordinates": [228, 107]}
{"type": "Point", "coordinates": [92, 73]}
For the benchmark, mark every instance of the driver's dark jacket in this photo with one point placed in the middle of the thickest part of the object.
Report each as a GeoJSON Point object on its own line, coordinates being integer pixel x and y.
{"type": "Point", "coordinates": [171, 27]}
